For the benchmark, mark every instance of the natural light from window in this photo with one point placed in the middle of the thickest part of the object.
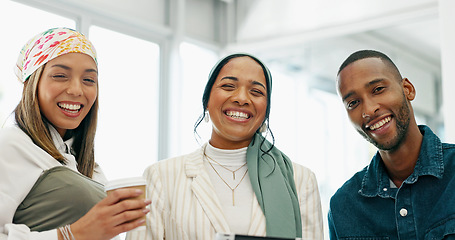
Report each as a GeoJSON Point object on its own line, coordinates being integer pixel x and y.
{"type": "Point", "coordinates": [127, 136]}
{"type": "Point", "coordinates": [16, 31]}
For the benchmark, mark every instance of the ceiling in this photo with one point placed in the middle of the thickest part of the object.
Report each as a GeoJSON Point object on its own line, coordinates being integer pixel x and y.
{"type": "Point", "coordinates": [313, 37]}
{"type": "Point", "coordinates": [307, 38]}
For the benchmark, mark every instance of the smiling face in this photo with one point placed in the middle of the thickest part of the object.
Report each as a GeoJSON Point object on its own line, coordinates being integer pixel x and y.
{"type": "Point", "coordinates": [67, 89]}
{"type": "Point", "coordinates": [237, 103]}
{"type": "Point", "coordinates": [377, 101]}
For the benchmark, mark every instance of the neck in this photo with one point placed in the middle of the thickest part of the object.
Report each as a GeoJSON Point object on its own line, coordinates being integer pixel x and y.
{"type": "Point", "coordinates": [227, 157]}
{"type": "Point", "coordinates": [400, 162]}
{"type": "Point", "coordinates": [227, 144]}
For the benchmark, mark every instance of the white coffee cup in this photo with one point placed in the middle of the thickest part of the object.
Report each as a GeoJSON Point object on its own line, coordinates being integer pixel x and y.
{"type": "Point", "coordinates": [128, 183]}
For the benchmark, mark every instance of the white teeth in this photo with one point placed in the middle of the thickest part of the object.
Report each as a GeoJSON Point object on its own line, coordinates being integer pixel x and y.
{"type": "Point", "coordinates": [237, 114]}
{"type": "Point", "coordinates": [380, 123]}
{"type": "Point", "coordinates": [71, 107]}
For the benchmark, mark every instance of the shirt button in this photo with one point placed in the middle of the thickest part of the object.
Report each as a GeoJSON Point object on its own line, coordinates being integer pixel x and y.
{"type": "Point", "coordinates": [384, 189]}
{"type": "Point", "coordinates": [403, 212]}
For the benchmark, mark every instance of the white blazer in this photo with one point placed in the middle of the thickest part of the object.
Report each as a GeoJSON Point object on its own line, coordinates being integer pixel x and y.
{"type": "Point", "coordinates": [185, 205]}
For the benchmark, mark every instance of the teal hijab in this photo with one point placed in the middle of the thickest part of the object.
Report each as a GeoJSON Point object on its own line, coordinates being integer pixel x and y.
{"type": "Point", "coordinates": [272, 179]}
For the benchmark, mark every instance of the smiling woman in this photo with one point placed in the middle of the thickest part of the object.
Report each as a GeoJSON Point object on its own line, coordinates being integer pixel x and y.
{"type": "Point", "coordinates": [238, 182]}
{"type": "Point", "coordinates": [52, 141]}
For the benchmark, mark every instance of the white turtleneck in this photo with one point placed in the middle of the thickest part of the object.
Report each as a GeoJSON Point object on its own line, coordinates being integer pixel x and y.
{"type": "Point", "coordinates": [238, 216]}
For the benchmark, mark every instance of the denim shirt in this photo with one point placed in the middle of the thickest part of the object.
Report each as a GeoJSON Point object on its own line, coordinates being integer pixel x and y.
{"type": "Point", "coordinates": [367, 207]}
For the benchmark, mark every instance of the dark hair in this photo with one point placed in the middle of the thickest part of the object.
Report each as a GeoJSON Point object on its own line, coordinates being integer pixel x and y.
{"type": "Point", "coordinates": [214, 74]}
{"type": "Point", "coordinates": [362, 54]}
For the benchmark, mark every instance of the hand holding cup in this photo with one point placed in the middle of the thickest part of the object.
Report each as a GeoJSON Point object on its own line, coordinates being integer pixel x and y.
{"type": "Point", "coordinates": [123, 209]}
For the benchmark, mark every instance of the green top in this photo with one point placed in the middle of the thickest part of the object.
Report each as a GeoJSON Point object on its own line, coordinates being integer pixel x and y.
{"type": "Point", "coordinates": [60, 196]}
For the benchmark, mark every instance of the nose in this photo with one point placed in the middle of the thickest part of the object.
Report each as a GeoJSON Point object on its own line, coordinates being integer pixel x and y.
{"type": "Point", "coordinates": [74, 87]}
{"type": "Point", "coordinates": [241, 97]}
{"type": "Point", "coordinates": [369, 109]}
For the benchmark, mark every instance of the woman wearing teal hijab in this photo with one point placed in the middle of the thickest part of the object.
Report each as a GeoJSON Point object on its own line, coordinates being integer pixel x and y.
{"type": "Point", "coordinates": [238, 182]}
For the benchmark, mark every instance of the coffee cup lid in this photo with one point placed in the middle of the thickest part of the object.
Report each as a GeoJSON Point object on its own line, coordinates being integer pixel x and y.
{"type": "Point", "coordinates": [124, 182]}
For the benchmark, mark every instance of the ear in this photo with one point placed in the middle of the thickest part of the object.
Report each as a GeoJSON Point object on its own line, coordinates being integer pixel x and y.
{"type": "Point", "coordinates": [408, 89]}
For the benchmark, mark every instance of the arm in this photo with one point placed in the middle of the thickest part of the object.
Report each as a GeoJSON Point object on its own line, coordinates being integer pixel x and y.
{"type": "Point", "coordinates": [310, 203]}
{"type": "Point", "coordinates": [21, 163]}
{"type": "Point", "coordinates": [332, 232]}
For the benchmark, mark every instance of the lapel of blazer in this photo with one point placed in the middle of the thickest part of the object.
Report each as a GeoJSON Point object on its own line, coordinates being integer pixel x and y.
{"type": "Point", "coordinates": [257, 225]}
{"type": "Point", "coordinates": [204, 191]}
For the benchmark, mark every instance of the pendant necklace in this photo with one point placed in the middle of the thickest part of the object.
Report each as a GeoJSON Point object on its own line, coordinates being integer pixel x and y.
{"type": "Point", "coordinates": [232, 171]}
{"type": "Point", "coordinates": [233, 174]}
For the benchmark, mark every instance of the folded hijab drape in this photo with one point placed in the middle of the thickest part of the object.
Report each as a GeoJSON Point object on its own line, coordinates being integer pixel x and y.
{"type": "Point", "coordinates": [272, 179]}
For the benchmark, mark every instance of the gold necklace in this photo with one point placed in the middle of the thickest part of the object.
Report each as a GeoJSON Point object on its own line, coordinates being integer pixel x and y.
{"type": "Point", "coordinates": [232, 189]}
{"type": "Point", "coordinates": [232, 171]}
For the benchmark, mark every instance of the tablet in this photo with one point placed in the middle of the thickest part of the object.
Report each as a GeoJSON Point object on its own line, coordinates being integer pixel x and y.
{"type": "Point", "coordinates": [232, 236]}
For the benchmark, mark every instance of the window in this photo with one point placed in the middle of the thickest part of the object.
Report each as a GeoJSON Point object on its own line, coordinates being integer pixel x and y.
{"type": "Point", "coordinates": [19, 24]}
{"type": "Point", "coordinates": [312, 128]}
{"type": "Point", "coordinates": [126, 139]}
{"type": "Point", "coordinates": [196, 65]}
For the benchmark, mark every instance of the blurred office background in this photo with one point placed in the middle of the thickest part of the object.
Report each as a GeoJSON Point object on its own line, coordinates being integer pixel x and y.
{"type": "Point", "coordinates": [155, 55]}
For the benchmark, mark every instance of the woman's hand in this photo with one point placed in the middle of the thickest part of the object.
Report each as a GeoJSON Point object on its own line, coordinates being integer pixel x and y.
{"type": "Point", "coordinates": [113, 215]}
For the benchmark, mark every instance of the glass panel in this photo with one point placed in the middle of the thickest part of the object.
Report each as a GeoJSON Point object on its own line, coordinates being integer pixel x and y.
{"type": "Point", "coordinates": [312, 128]}
{"type": "Point", "coordinates": [196, 65]}
{"type": "Point", "coordinates": [19, 24]}
{"type": "Point", "coordinates": [126, 141]}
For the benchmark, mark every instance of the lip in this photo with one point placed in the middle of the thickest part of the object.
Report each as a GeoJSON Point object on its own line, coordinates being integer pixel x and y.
{"type": "Point", "coordinates": [69, 112]}
{"type": "Point", "coordinates": [381, 129]}
{"type": "Point", "coordinates": [236, 119]}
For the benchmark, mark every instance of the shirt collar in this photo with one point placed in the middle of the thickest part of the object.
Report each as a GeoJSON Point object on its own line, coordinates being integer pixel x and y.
{"type": "Point", "coordinates": [376, 180]}
{"type": "Point", "coordinates": [64, 147]}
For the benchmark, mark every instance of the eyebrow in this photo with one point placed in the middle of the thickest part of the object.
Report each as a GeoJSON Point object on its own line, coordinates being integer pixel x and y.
{"type": "Point", "coordinates": [368, 84]}
{"type": "Point", "coordinates": [348, 95]}
{"type": "Point", "coordinates": [68, 68]}
{"type": "Point", "coordinates": [236, 79]}
{"type": "Point", "coordinates": [374, 82]}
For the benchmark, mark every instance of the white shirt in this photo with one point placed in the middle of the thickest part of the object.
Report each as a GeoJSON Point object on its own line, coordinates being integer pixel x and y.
{"type": "Point", "coordinates": [186, 205]}
{"type": "Point", "coordinates": [238, 215]}
{"type": "Point", "coordinates": [22, 162]}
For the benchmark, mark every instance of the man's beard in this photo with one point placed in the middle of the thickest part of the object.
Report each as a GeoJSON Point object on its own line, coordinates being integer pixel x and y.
{"type": "Point", "coordinates": [402, 122]}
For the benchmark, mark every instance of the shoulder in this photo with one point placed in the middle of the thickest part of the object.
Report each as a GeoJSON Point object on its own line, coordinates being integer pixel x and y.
{"type": "Point", "coordinates": [15, 144]}
{"type": "Point", "coordinates": [449, 147]}
{"type": "Point", "coordinates": [448, 154]}
{"type": "Point", "coordinates": [13, 134]}
{"type": "Point", "coordinates": [349, 189]}
{"type": "Point", "coordinates": [302, 173]}
{"type": "Point", "coordinates": [13, 139]}
{"type": "Point", "coordinates": [176, 165]}
{"type": "Point", "coordinates": [448, 151]}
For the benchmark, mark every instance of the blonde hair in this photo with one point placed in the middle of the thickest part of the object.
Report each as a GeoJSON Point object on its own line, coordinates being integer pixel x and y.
{"type": "Point", "coordinates": [29, 118]}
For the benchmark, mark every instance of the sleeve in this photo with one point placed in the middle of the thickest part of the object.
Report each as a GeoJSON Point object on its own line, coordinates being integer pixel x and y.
{"type": "Point", "coordinates": [332, 232]}
{"type": "Point", "coordinates": [310, 203]}
{"type": "Point", "coordinates": [21, 164]}
{"type": "Point", "coordinates": [98, 175]}
{"type": "Point", "coordinates": [155, 222]}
